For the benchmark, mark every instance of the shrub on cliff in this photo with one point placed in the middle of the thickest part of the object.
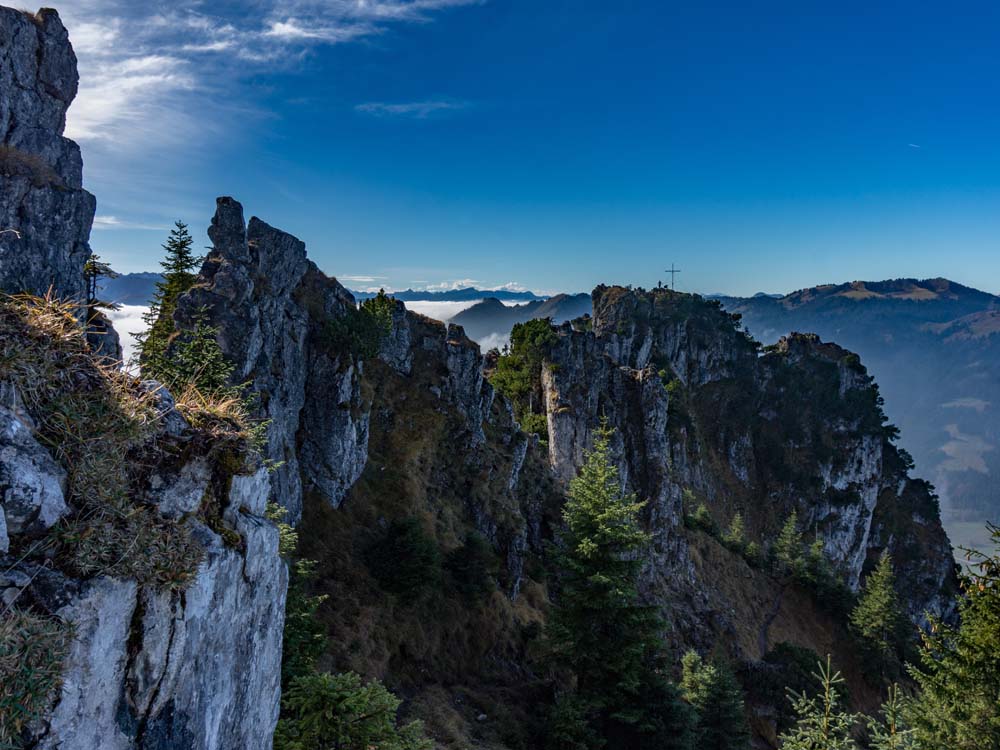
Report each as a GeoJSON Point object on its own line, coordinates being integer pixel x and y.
{"type": "Point", "coordinates": [330, 711]}
{"type": "Point", "coordinates": [178, 277]}
{"type": "Point", "coordinates": [518, 372]}
{"type": "Point", "coordinates": [360, 331]}
{"type": "Point", "coordinates": [94, 419]}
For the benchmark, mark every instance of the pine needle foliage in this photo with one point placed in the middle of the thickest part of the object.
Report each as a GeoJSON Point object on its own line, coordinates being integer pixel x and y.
{"type": "Point", "coordinates": [342, 712]}
{"type": "Point", "coordinates": [958, 707]}
{"type": "Point", "coordinates": [600, 631]}
{"type": "Point", "coordinates": [878, 618]}
{"type": "Point", "coordinates": [735, 536]}
{"type": "Point", "coordinates": [712, 689]}
{"type": "Point", "coordinates": [821, 723]}
{"type": "Point", "coordinates": [178, 277]}
{"type": "Point", "coordinates": [787, 548]}
{"type": "Point", "coordinates": [890, 732]}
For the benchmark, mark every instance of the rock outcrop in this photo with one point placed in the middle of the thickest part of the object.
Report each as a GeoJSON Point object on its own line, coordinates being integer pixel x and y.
{"type": "Point", "coordinates": [271, 307]}
{"type": "Point", "coordinates": [45, 214]}
{"type": "Point", "coordinates": [698, 410]}
{"type": "Point", "coordinates": [148, 666]}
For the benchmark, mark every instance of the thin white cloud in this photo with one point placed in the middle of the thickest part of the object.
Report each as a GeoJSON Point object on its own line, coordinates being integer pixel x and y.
{"type": "Point", "coordinates": [444, 286]}
{"type": "Point", "coordinates": [103, 223]}
{"type": "Point", "coordinates": [140, 62]}
{"type": "Point", "coordinates": [913, 145]}
{"type": "Point", "coordinates": [365, 279]}
{"type": "Point", "coordinates": [417, 110]}
{"type": "Point", "coordinates": [164, 82]}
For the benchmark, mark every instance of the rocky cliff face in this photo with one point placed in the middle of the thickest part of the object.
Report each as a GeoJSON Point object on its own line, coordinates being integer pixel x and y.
{"type": "Point", "coordinates": [698, 409]}
{"type": "Point", "coordinates": [270, 305]}
{"type": "Point", "coordinates": [150, 664]}
{"type": "Point", "coordinates": [42, 200]}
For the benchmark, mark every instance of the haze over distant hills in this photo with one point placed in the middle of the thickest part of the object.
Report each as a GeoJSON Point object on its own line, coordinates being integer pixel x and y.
{"type": "Point", "coordinates": [489, 322]}
{"type": "Point", "coordinates": [933, 349]}
{"type": "Point", "coordinates": [930, 344]}
{"type": "Point", "coordinates": [137, 289]}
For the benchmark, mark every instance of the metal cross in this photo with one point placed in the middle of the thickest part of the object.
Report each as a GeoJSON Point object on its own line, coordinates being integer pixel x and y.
{"type": "Point", "coordinates": [673, 273]}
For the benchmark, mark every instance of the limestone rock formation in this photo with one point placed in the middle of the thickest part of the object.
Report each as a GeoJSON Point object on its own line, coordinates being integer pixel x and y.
{"type": "Point", "coordinates": [148, 666]}
{"type": "Point", "coordinates": [195, 669]}
{"type": "Point", "coordinates": [270, 306]}
{"type": "Point", "coordinates": [698, 410]}
{"type": "Point", "coordinates": [42, 200]}
{"type": "Point", "coordinates": [32, 484]}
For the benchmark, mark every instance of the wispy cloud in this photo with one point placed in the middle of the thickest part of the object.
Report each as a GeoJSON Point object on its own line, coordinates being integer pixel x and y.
{"type": "Point", "coordinates": [416, 110]}
{"type": "Point", "coordinates": [444, 286]}
{"type": "Point", "coordinates": [165, 85]}
{"type": "Point", "coordinates": [914, 145]}
{"type": "Point", "coordinates": [103, 223]}
{"type": "Point", "coordinates": [140, 63]}
{"type": "Point", "coordinates": [364, 279]}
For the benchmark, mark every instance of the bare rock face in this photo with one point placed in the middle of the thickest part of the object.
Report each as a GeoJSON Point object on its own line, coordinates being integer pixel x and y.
{"type": "Point", "coordinates": [271, 306]}
{"type": "Point", "coordinates": [41, 194]}
{"type": "Point", "coordinates": [199, 669]}
{"type": "Point", "coordinates": [32, 484]}
{"type": "Point", "coordinates": [697, 410]}
{"type": "Point", "coordinates": [147, 668]}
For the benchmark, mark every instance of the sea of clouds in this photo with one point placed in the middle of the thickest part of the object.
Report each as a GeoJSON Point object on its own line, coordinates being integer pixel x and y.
{"type": "Point", "coordinates": [128, 320]}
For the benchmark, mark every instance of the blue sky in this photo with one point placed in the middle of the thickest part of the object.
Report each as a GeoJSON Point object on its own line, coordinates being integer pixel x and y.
{"type": "Point", "coordinates": [554, 144]}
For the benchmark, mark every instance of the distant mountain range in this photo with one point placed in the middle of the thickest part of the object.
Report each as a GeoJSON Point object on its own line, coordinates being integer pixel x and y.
{"type": "Point", "coordinates": [138, 288]}
{"type": "Point", "coordinates": [129, 288]}
{"type": "Point", "coordinates": [932, 345]}
{"type": "Point", "coordinates": [491, 320]}
{"type": "Point", "coordinates": [467, 294]}
{"type": "Point", "coordinates": [933, 348]}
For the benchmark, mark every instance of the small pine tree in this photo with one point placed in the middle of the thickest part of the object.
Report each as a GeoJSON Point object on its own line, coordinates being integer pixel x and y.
{"type": "Point", "coordinates": [341, 711]}
{"type": "Point", "coordinates": [891, 732]}
{"type": "Point", "coordinates": [821, 724]}
{"type": "Point", "coordinates": [94, 270]}
{"type": "Point", "coordinates": [878, 618]}
{"type": "Point", "coordinates": [717, 698]}
{"type": "Point", "coordinates": [787, 549]}
{"type": "Point", "coordinates": [958, 707]}
{"type": "Point", "coordinates": [735, 536]}
{"type": "Point", "coordinates": [178, 277]}
{"type": "Point", "coordinates": [599, 629]}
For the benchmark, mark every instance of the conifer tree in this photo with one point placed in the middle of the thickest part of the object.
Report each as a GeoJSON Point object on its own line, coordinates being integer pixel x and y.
{"type": "Point", "coordinates": [958, 707]}
{"type": "Point", "coordinates": [878, 618]}
{"type": "Point", "coordinates": [821, 723]}
{"type": "Point", "coordinates": [787, 549]}
{"type": "Point", "coordinates": [178, 277]}
{"type": "Point", "coordinates": [735, 535]}
{"type": "Point", "coordinates": [600, 630]}
{"type": "Point", "coordinates": [891, 733]}
{"type": "Point", "coordinates": [94, 270]}
{"type": "Point", "coordinates": [718, 701]}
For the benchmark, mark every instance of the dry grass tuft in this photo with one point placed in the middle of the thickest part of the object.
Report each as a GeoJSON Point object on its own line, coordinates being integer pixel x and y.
{"type": "Point", "coordinates": [94, 419]}
{"type": "Point", "coordinates": [32, 649]}
{"type": "Point", "coordinates": [225, 418]}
